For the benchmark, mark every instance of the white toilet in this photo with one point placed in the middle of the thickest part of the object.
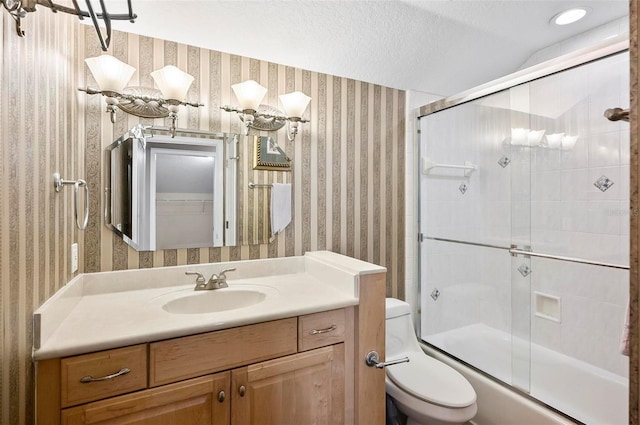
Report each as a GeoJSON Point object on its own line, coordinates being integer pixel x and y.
{"type": "Point", "coordinates": [426, 390]}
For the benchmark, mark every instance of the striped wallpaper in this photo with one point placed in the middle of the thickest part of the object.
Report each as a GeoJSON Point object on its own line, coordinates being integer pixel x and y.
{"type": "Point", "coordinates": [348, 169]}
{"type": "Point", "coordinates": [40, 131]}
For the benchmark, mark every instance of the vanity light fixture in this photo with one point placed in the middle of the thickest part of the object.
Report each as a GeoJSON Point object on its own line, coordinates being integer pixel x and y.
{"type": "Point", "coordinates": [569, 16]}
{"type": "Point", "coordinates": [264, 117]}
{"type": "Point", "coordinates": [112, 75]}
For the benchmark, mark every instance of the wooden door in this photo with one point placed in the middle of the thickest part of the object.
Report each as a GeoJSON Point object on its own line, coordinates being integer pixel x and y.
{"type": "Point", "coordinates": [301, 389]}
{"type": "Point", "coordinates": [193, 402]}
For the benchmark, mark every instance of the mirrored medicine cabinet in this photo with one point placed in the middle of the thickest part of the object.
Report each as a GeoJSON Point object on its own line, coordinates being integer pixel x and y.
{"type": "Point", "coordinates": [180, 192]}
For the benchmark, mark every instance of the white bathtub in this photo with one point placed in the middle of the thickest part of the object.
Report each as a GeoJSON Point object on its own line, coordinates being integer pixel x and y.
{"type": "Point", "coordinates": [582, 391]}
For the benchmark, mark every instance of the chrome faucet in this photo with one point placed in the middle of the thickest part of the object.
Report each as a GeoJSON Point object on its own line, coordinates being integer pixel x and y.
{"type": "Point", "coordinates": [216, 281]}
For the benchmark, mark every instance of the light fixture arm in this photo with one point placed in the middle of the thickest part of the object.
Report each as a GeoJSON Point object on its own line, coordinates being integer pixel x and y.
{"type": "Point", "coordinates": [17, 12]}
{"type": "Point", "coordinates": [18, 9]}
{"type": "Point", "coordinates": [165, 107]}
{"type": "Point", "coordinates": [146, 99]}
{"type": "Point", "coordinates": [265, 120]}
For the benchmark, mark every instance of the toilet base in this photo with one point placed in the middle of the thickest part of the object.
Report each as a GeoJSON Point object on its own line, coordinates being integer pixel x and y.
{"type": "Point", "coordinates": [419, 412]}
{"type": "Point", "coordinates": [431, 421]}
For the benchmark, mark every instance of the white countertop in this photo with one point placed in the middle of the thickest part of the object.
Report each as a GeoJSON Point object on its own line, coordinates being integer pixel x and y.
{"type": "Point", "coordinates": [99, 311]}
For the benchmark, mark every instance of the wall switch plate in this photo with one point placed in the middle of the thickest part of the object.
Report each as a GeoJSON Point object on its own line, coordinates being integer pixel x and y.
{"type": "Point", "coordinates": [74, 257]}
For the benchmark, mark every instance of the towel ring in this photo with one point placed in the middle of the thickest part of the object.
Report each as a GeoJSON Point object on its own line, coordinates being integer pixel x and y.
{"type": "Point", "coordinates": [58, 184]}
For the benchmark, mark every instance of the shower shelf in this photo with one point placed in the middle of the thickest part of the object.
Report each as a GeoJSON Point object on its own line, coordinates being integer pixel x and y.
{"type": "Point", "coordinates": [428, 165]}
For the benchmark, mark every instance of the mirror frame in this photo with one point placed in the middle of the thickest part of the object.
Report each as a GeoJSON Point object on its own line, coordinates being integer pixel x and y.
{"type": "Point", "coordinates": [143, 134]}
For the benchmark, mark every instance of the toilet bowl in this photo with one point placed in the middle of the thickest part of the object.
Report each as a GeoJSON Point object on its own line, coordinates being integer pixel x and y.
{"type": "Point", "coordinates": [426, 390]}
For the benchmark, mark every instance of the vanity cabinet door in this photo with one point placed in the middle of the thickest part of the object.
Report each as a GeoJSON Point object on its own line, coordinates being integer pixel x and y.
{"type": "Point", "coordinates": [200, 401]}
{"type": "Point", "coordinates": [301, 389]}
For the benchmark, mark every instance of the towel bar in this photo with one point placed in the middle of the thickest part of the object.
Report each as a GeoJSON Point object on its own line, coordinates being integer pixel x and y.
{"type": "Point", "coordinates": [428, 165]}
{"type": "Point", "coordinates": [253, 185]}
{"type": "Point", "coordinates": [59, 183]}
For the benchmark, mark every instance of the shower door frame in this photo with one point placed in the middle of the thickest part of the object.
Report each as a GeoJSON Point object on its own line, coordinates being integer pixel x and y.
{"type": "Point", "coordinates": [563, 63]}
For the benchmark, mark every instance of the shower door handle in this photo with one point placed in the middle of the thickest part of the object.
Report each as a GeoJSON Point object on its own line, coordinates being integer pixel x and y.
{"type": "Point", "coordinates": [372, 360]}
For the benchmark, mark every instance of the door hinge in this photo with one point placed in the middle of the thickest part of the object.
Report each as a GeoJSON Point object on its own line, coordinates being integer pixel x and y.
{"type": "Point", "coordinates": [420, 237]}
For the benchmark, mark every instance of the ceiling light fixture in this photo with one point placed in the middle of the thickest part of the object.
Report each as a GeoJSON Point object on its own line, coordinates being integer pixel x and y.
{"type": "Point", "coordinates": [569, 16]}
{"type": "Point", "coordinates": [112, 75]}
{"type": "Point", "coordinates": [99, 17]}
{"type": "Point", "coordinates": [265, 117]}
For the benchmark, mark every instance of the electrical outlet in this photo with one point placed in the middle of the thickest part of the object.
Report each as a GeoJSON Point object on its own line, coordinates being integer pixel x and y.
{"type": "Point", "coordinates": [74, 257]}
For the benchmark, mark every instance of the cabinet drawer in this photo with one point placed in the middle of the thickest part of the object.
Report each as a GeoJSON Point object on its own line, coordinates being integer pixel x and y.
{"type": "Point", "coordinates": [321, 329]}
{"type": "Point", "coordinates": [80, 375]}
{"type": "Point", "coordinates": [182, 358]}
{"type": "Point", "coordinates": [191, 402]}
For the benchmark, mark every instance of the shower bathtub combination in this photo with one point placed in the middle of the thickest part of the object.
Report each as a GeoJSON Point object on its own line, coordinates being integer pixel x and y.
{"type": "Point", "coordinates": [524, 223]}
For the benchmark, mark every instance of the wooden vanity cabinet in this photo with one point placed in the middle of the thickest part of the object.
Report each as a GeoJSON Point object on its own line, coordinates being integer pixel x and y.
{"type": "Point", "coordinates": [296, 371]}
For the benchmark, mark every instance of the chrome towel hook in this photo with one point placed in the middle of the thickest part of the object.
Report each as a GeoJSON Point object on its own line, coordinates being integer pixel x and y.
{"type": "Point", "coordinates": [59, 182]}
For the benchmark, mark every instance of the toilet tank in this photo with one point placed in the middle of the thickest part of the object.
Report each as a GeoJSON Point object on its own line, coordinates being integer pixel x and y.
{"type": "Point", "coordinates": [400, 335]}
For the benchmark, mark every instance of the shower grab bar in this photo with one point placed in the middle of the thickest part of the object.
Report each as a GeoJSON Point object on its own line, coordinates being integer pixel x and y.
{"type": "Point", "coordinates": [515, 252]}
{"type": "Point", "coordinates": [428, 165]}
{"type": "Point", "coordinates": [617, 114]}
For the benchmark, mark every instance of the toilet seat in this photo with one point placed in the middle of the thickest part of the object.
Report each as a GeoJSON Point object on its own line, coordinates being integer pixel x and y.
{"type": "Point", "coordinates": [432, 381]}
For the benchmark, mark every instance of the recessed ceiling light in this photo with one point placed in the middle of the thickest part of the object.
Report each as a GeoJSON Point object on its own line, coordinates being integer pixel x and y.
{"type": "Point", "coordinates": [569, 16]}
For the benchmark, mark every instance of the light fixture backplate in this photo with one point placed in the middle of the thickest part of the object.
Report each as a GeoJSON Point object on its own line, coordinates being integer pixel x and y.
{"type": "Point", "coordinates": [264, 123]}
{"type": "Point", "coordinates": [143, 109]}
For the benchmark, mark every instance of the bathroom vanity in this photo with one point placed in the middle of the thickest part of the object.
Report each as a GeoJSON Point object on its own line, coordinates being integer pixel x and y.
{"type": "Point", "coordinates": [285, 343]}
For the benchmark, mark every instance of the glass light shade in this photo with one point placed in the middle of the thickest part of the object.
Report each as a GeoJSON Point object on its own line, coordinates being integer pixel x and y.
{"type": "Point", "coordinates": [568, 142]}
{"type": "Point", "coordinates": [295, 103]}
{"type": "Point", "coordinates": [554, 141]}
{"type": "Point", "coordinates": [110, 73]}
{"type": "Point", "coordinates": [249, 94]}
{"type": "Point", "coordinates": [172, 82]}
{"type": "Point", "coordinates": [535, 137]}
{"type": "Point", "coordinates": [519, 136]}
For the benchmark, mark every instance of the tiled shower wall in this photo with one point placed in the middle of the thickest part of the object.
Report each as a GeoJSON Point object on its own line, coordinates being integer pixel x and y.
{"type": "Point", "coordinates": [348, 175]}
{"type": "Point", "coordinates": [571, 216]}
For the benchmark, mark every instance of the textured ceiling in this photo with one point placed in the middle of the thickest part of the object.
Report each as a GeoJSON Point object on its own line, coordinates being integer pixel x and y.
{"type": "Point", "coordinates": [440, 47]}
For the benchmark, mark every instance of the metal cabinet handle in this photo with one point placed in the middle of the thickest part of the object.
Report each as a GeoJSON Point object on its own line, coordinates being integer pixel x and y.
{"type": "Point", "coordinates": [87, 379]}
{"type": "Point", "coordinates": [242, 390]}
{"type": "Point", "coordinates": [372, 360]}
{"type": "Point", "coordinates": [323, 331]}
{"type": "Point", "coordinates": [221, 396]}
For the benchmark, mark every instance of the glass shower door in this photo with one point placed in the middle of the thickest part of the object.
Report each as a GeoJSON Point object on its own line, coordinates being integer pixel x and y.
{"type": "Point", "coordinates": [470, 308]}
{"type": "Point", "coordinates": [579, 214]}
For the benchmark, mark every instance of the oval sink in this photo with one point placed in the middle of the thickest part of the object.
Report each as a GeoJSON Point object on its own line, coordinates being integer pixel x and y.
{"type": "Point", "coordinates": [201, 302]}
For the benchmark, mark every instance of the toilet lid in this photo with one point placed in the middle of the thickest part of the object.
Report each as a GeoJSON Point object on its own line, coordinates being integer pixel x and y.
{"type": "Point", "coordinates": [432, 381]}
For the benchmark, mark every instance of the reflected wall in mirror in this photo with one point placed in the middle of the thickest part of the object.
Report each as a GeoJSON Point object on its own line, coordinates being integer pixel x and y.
{"type": "Point", "coordinates": [182, 192]}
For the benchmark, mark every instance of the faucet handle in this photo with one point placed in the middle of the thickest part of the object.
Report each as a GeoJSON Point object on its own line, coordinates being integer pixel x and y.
{"type": "Point", "coordinates": [200, 279]}
{"type": "Point", "coordinates": [223, 273]}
